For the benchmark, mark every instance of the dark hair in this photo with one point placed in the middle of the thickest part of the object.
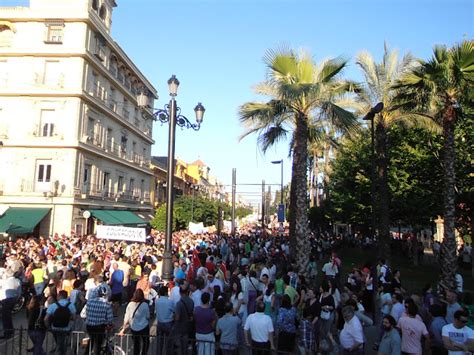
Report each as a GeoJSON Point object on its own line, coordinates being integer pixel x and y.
{"type": "Point", "coordinates": [286, 279]}
{"type": "Point", "coordinates": [228, 307]}
{"type": "Point", "coordinates": [436, 310]}
{"type": "Point", "coordinates": [270, 288]}
{"type": "Point", "coordinates": [260, 307]}
{"type": "Point", "coordinates": [239, 287]}
{"type": "Point", "coordinates": [325, 286]}
{"type": "Point", "coordinates": [461, 313]}
{"type": "Point", "coordinates": [412, 309]}
{"type": "Point", "coordinates": [62, 294]}
{"type": "Point", "coordinates": [426, 288]}
{"type": "Point", "coordinates": [163, 291]}
{"type": "Point", "coordinates": [286, 302]}
{"type": "Point", "coordinates": [398, 297]}
{"type": "Point", "coordinates": [205, 298]}
{"type": "Point", "coordinates": [351, 302]}
{"type": "Point", "coordinates": [391, 320]}
{"type": "Point", "coordinates": [77, 284]}
{"type": "Point", "coordinates": [387, 288]}
{"type": "Point", "coordinates": [138, 296]}
{"type": "Point", "coordinates": [35, 303]}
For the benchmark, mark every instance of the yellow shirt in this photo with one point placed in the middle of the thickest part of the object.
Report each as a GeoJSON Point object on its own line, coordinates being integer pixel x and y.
{"type": "Point", "coordinates": [38, 276]}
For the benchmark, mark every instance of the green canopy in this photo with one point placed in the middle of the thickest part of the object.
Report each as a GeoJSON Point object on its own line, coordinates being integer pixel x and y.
{"type": "Point", "coordinates": [116, 217]}
{"type": "Point", "coordinates": [21, 220]}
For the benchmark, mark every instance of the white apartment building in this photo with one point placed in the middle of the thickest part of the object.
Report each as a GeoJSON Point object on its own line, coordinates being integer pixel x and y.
{"type": "Point", "coordinates": [72, 138]}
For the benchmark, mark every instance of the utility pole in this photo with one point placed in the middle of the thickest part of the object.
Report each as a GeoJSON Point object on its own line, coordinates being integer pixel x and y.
{"type": "Point", "coordinates": [234, 183]}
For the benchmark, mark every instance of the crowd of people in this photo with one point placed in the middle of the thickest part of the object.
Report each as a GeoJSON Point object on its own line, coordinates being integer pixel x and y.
{"type": "Point", "coordinates": [229, 294]}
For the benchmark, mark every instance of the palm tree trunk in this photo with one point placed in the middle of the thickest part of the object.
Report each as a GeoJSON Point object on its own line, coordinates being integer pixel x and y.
{"type": "Point", "coordinates": [299, 188]}
{"type": "Point", "coordinates": [449, 259]}
{"type": "Point", "coordinates": [313, 181]}
{"type": "Point", "coordinates": [382, 202]}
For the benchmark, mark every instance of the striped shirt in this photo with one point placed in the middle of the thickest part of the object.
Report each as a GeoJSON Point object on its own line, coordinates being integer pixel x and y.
{"type": "Point", "coordinates": [98, 312]}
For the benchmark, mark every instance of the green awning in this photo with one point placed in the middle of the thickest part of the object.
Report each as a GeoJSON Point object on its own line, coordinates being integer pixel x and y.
{"type": "Point", "coordinates": [116, 217]}
{"type": "Point", "coordinates": [21, 220]}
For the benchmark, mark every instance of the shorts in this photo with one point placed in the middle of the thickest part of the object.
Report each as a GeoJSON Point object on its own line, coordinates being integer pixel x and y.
{"type": "Point", "coordinates": [116, 297]}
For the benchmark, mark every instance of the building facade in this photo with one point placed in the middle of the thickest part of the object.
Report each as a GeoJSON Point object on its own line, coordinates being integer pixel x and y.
{"type": "Point", "coordinates": [72, 137]}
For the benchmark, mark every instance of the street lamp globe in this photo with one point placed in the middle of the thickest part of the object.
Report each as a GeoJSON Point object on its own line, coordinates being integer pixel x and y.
{"type": "Point", "coordinates": [199, 110]}
{"type": "Point", "coordinates": [173, 84]}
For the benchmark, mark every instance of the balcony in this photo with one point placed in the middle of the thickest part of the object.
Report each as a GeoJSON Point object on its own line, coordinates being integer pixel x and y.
{"type": "Point", "coordinates": [117, 150]}
{"type": "Point", "coordinates": [100, 192]}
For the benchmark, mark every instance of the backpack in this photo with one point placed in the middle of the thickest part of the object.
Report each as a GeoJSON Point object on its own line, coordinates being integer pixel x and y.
{"type": "Point", "coordinates": [61, 316]}
{"type": "Point", "coordinates": [388, 274]}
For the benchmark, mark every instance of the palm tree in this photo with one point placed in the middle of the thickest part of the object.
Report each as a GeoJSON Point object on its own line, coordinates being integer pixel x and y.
{"type": "Point", "coordinates": [378, 87]}
{"type": "Point", "coordinates": [300, 93]}
{"type": "Point", "coordinates": [441, 88]}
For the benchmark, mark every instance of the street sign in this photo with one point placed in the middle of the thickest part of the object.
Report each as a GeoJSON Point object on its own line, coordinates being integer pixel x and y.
{"type": "Point", "coordinates": [281, 212]}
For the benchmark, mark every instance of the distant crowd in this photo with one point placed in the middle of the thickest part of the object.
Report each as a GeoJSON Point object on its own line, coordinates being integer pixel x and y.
{"type": "Point", "coordinates": [229, 294]}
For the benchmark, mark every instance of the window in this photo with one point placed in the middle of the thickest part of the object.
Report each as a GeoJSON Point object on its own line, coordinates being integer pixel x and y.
{"type": "Point", "coordinates": [99, 50]}
{"type": "Point", "coordinates": [90, 128]}
{"type": "Point", "coordinates": [131, 187]}
{"type": "Point", "coordinates": [43, 175]}
{"type": "Point", "coordinates": [95, 4]}
{"type": "Point", "coordinates": [106, 184]}
{"type": "Point", "coordinates": [47, 123]}
{"type": "Point", "coordinates": [3, 73]}
{"type": "Point", "coordinates": [125, 111]}
{"type": "Point", "coordinates": [109, 139]}
{"type": "Point", "coordinates": [120, 184]}
{"type": "Point", "coordinates": [142, 188]}
{"type": "Point", "coordinates": [55, 32]}
{"type": "Point", "coordinates": [86, 179]}
{"type": "Point", "coordinates": [112, 102]}
{"type": "Point", "coordinates": [51, 73]}
{"type": "Point", "coordinates": [103, 12]}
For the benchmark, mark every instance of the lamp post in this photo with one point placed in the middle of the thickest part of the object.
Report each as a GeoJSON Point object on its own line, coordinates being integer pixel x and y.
{"type": "Point", "coordinates": [172, 114]}
{"type": "Point", "coordinates": [370, 116]}
{"type": "Point", "coordinates": [281, 206]}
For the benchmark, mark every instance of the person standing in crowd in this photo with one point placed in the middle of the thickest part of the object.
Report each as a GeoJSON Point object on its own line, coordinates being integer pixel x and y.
{"type": "Point", "coordinates": [99, 318]}
{"type": "Point", "coordinates": [164, 309]}
{"type": "Point", "coordinates": [58, 317]}
{"type": "Point", "coordinates": [286, 325]}
{"type": "Point", "coordinates": [391, 341]}
{"type": "Point", "coordinates": [183, 319]}
{"type": "Point", "coordinates": [438, 321]}
{"type": "Point", "coordinates": [458, 338]}
{"type": "Point", "coordinates": [10, 289]}
{"type": "Point", "coordinates": [137, 318]}
{"type": "Point", "coordinates": [306, 333]}
{"type": "Point", "coordinates": [36, 326]}
{"type": "Point", "coordinates": [116, 284]}
{"type": "Point", "coordinates": [328, 305]}
{"type": "Point", "coordinates": [205, 319]}
{"type": "Point", "coordinates": [413, 332]}
{"type": "Point", "coordinates": [39, 279]}
{"type": "Point", "coordinates": [452, 306]}
{"type": "Point", "coordinates": [397, 307]}
{"type": "Point", "coordinates": [259, 328]}
{"type": "Point", "coordinates": [352, 334]}
{"type": "Point", "coordinates": [228, 328]}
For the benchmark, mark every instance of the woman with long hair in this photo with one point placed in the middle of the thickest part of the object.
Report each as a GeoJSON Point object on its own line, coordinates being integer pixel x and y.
{"type": "Point", "coordinates": [238, 300]}
{"type": "Point", "coordinates": [68, 282]}
{"type": "Point", "coordinates": [36, 327]}
{"type": "Point", "coordinates": [137, 318]}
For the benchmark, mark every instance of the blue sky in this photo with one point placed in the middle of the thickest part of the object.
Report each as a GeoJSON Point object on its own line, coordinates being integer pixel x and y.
{"type": "Point", "coordinates": [215, 48]}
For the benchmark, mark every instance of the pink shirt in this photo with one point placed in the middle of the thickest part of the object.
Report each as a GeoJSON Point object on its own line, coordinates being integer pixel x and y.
{"type": "Point", "coordinates": [412, 331]}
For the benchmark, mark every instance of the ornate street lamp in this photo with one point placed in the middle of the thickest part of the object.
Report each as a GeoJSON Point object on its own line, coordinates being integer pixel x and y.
{"type": "Point", "coordinates": [172, 114]}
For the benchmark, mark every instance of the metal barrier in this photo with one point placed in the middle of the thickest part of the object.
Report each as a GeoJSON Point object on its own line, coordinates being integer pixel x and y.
{"type": "Point", "coordinates": [82, 343]}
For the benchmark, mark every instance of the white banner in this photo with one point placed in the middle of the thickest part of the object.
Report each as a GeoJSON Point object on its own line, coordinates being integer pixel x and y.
{"type": "Point", "coordinates": [137, 235]}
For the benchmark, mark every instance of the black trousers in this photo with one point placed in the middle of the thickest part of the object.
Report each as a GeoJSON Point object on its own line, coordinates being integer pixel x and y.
{"type": "Point", "coordinates": [141, 341]}
{"type": "Point", "coordinates": [96, 336]}
{"type": "Point", "coordinates": [7, 319]}
{"type": "Point", "coordinates": [260, 348]}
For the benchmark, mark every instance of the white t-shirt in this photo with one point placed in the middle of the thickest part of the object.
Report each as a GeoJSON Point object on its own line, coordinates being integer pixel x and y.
{"type": "Point", "coordinates": [260, 325]}
{"type": "Point", "coordinates": [330, 269]}
{"type": "Point", "coordinates": [352, 333]}
{"type": "Point", "coordinates": [457, 336]}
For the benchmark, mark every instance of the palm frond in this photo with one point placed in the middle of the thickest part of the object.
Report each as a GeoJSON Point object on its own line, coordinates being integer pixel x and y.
{"type": "Point", "coordinates": [271, 136]}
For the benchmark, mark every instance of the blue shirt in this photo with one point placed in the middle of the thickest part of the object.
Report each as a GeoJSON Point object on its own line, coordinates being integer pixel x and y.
{"type": "Point", "coordinates": [117, 281]}
{"type": "Point", "coordinates": [228, 326]}
{"type": "Point", "coordinates": [164, 308]}
{"type": "Point", "coordinates": [53, 307]}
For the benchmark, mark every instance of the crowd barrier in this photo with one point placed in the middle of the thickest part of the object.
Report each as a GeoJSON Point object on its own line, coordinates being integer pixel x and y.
{"type": "Point", "coordinates": [81, 343]}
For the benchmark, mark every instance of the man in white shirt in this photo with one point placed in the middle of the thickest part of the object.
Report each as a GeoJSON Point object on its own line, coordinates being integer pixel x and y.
{"type": "Point", "coordinates": [397, 307]}
{"type": "Point", "coordinates": [260, 327]}
{"type": "Point", "coordinates": [352, 335]}
{"type": "Point", "coordinates": [458, 338]}
{"type": "Point", "coordinates": [10, 290]}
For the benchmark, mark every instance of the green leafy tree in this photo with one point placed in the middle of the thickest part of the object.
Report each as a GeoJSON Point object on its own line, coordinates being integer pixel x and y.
{"type": "Point", "coordinates": [300, 91]}
{"type": "Point", "coordinates": [442, 88]}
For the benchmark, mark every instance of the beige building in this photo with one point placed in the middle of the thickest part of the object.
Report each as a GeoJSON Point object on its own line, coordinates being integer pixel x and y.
{"type": "Point", "coordinates": [72, 138]}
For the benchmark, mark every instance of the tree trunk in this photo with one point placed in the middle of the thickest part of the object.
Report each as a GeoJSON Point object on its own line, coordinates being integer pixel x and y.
{"type": "Point", "coordinates": [313, 181]}
{"type": "Point", "coordinates": [299, 188]}
{"type": "Point", "coordinates": [382, 202]}
{"type": "Point", "coordinates": [292, 214]}
{"type": "Point", "coordinates": [449, 259]}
